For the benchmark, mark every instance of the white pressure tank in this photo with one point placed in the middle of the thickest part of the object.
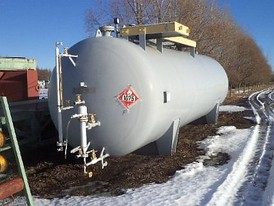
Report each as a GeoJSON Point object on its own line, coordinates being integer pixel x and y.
{"type": "Point", "coordinates": [141, 97]}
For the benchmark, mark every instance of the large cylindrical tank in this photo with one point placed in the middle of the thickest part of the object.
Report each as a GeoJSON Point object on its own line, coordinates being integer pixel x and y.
{"type": "Point", "coordinates": [161, 87]}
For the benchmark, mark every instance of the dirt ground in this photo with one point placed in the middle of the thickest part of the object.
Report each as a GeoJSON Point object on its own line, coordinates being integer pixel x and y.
{"type": "Point", "coordinates": [50, 175]}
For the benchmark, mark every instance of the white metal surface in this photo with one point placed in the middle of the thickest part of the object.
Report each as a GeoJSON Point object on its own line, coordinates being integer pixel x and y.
{"type": "Point", "coordinates": [171, 86]}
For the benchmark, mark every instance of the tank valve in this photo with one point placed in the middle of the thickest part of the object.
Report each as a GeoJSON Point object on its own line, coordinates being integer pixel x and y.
{"type": "Point", "coordinates": [87, 122]}
{"type": "Point", "coordinates": [95, 159]}
{"type": "Point", "coordinates": [79, 100]}
{"type": "Point", "coordinates": [92, 122]}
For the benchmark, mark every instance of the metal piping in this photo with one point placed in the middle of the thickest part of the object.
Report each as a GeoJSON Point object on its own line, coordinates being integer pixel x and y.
{"type": "Point", "coordinates": [59, 91]}
{"type": "Point", "coordinates": [106, 30]}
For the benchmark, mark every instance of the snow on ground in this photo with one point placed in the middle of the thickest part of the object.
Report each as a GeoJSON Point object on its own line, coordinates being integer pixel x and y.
{"type": "Point", "coordinates": [196, 184]}
{"type": "Point", "coordinates": [231, 108]}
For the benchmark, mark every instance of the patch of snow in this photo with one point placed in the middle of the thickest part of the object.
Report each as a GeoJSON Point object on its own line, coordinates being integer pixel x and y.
{"type": "Point", "coordinates": [231, 108]}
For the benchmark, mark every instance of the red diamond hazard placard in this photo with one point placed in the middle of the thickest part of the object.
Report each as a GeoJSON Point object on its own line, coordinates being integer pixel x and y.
{"type": "Point", "coordinates": [128, 97]}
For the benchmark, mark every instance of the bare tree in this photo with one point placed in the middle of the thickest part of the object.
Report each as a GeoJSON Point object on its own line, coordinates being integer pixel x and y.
{"type": "Point", "coordinates": [44, 74]}
{"type": "Point", "coordinates": [216, 33]}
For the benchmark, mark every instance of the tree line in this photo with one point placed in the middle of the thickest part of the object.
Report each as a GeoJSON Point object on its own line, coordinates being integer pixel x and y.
{"type": "Point", "coordinates": [212, 27]}
{"type": "Point", "coordinates": [44, 74]}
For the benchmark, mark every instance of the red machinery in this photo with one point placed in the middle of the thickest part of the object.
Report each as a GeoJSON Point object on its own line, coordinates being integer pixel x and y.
{"type": "Point", "coordinates": [18, 79]}
{"type": "Point", "coordinates": [19, 85]}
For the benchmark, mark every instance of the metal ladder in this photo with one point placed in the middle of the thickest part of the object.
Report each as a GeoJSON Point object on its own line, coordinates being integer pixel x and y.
{"type": "Point", "coordinates": [15, 147]}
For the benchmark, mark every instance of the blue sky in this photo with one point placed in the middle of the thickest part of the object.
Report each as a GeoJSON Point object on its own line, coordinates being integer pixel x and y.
{"type": "Point", "coordinates": [30, 28]}
{"type": "Point", "coordinates": [257, 18]}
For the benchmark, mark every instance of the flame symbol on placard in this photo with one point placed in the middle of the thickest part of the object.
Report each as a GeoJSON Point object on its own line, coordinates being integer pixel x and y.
{"type": "Point", "coordinates": [129, 92]}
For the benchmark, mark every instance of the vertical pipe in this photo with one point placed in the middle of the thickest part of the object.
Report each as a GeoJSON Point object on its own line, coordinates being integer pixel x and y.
{"type": "Point", "coordinates": [83, 121]}
{"type": "Point", "coordinates": [83, 111]}
{"type": "Point", "coordinates": [59, 115]}
{"type": "Point", "coordinates": [83, 136]}
{"type": "Point", "coordinates": [84, 144]}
